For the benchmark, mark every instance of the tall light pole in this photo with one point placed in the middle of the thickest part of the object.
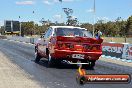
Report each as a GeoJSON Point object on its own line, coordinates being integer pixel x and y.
{"type": "Point", "coordinates": [20, 27]}
{"type": "Point", "coordinates": [12, 27]}
{"type": "Point", "coordinates": [33, 24]}
{"type": "Point", "coordinates": [94, 11]}
{"type": "Point", "coordinates": [61, 11]}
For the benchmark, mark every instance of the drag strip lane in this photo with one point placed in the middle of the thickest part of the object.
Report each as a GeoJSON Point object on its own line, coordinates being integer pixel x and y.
{"type": "Point", "coordinates": [59, 77]}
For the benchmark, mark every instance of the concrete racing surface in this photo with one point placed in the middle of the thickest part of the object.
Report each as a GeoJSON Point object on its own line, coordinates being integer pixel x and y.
{"type": "Point", "coordinates": [18, 70]}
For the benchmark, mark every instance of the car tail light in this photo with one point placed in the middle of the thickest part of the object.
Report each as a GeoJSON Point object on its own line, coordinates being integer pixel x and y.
{"type": "Point", "coordinates": [91, 47]}
{"type": "Point", "coordinates": [64, 45]}
{"type": "Point", "coordinates": [60, 44]}
{"type": "Point", "coordinates": [96, 47]}
{"type": "Point", "coordinates": [69, 45]}
{"type": "Point", "coordinates": [87, 47]}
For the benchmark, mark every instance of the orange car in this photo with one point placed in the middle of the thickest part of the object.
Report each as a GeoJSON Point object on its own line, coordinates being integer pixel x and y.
{"type": "Point", "coordinates": [68, 43]}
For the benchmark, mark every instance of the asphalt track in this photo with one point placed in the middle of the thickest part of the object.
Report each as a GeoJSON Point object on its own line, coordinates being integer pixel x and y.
{"type": "Point", "coordinates": [63, 76]}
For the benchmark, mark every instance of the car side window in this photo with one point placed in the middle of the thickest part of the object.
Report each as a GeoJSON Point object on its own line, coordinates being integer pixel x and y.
{"type": "Point", "coordinates": [48, 33]}
{"type": "Point", "coordinates": [54, 32]}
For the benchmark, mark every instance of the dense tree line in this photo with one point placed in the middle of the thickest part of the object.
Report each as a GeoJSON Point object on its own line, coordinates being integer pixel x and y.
{"type": "Point", "coordinates": [117, 28]}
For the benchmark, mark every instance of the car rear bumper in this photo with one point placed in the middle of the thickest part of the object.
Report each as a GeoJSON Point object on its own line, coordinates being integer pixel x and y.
{"type": "Point", "coordinates": [65, 54]}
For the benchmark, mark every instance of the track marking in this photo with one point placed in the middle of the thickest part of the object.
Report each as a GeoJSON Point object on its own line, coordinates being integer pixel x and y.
{"type": "Point", "coordinates": [19, 42]}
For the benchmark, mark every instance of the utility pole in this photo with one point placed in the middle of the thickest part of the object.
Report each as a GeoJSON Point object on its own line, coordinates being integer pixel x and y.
{"type": "Point", "coordinates": [20, 27]}
{"type": "Point", "coordinates": [33, 24]}
{"type": "Point", "coordinates": [12, 27]}
{"type": "Point", "coordinates": [61, 11]}
{"type": "Point", "coordinates": [94, 11]}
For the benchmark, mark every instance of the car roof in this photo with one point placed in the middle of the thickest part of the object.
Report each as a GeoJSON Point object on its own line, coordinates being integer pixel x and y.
{"type": "Point", "coordinates": [65, 27]}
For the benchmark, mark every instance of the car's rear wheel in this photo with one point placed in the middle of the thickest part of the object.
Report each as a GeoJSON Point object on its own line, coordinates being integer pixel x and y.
{"type": "Point", "coordinates": [37, 56]}
{"type": "Point", "coordinates": [36, 49]}
{"type": "Point", "coordinates": [92, 64]}
{"type": "Point", "coordinates": [53, 62]}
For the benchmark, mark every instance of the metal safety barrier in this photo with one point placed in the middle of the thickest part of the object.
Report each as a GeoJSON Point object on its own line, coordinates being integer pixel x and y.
{"type": "Point", "coordinates": [119, 51]}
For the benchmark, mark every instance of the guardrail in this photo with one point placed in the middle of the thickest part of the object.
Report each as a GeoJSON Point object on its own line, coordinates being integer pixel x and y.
{"type": "Point", "coordinates": [119, 51]}
{"type": "Point", "coordinates": [2, 37]}
{"type": "Point", "coordinates": [22, 39]}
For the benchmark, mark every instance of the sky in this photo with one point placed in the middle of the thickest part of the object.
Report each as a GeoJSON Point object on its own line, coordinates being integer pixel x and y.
{"type": "Point", "coordinates": [107, 10]}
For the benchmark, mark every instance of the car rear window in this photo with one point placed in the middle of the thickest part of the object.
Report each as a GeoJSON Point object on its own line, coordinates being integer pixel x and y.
{"type": "Point", "coordinates": [73, 32]}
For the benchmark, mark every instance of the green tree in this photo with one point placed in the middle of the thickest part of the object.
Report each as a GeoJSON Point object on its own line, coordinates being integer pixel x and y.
{"type": "Point", "coordinates": [28, 28]}
{"type": "Point", "coordinates": [100, 25]}
{"type": "Point", "coordinates": [2, 30]}
{"type": "Point", "coordinates": [111, 28]}
{"type": "Point", "coordinates": [123, 28]}
{"type": "Point", "coordinates": [129, 25]}
{"type": "Point", "coordinates": [70, 19]}
{"type": "Point", "coordinates": [87, 26]}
